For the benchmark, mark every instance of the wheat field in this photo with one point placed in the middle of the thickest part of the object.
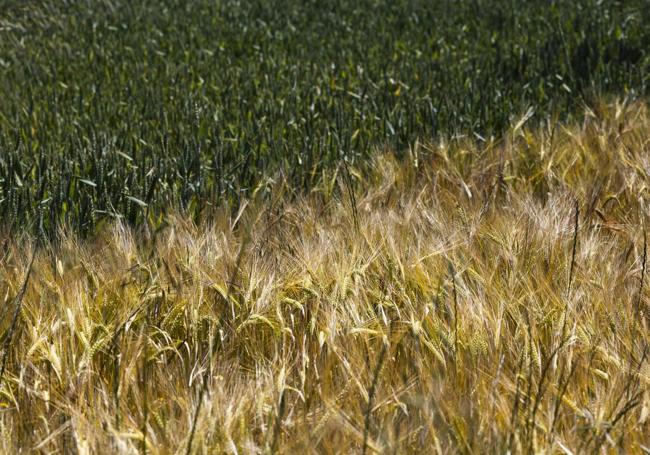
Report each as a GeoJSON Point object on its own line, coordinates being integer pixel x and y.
{"type": "Point", "coordinates": [463, 296]}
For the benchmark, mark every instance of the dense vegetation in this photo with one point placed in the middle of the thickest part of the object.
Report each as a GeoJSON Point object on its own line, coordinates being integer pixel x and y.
{"type": "Point", "coordinates": [124, 109]}
{"type": "Point", "coordinates": [478, 300]}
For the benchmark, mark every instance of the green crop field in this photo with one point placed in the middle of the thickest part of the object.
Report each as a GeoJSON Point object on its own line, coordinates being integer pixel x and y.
{"type": "Point", "coordinates": [124, 109]}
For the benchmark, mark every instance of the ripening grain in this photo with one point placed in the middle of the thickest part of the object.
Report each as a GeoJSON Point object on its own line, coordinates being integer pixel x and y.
{"type": "Point", "coordinates": [463, 299]}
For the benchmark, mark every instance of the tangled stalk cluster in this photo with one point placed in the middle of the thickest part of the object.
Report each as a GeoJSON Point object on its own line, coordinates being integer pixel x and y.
{"type": "Point", "coordinates": [465, 298]}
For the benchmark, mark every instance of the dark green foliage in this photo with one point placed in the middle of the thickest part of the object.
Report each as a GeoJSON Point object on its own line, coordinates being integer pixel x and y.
{"type": "Point", "coordinates": [121, 108]}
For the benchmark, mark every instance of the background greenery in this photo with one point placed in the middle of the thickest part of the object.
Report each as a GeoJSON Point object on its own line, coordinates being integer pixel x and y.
{"type": "Point", "coordinates": [121, 108]}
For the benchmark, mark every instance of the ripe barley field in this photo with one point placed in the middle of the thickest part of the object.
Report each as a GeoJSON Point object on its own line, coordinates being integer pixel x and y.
{"type": "Point", "coordinates": [324, 226]}
{"type": "Point", "coordinates": [464, 297]}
